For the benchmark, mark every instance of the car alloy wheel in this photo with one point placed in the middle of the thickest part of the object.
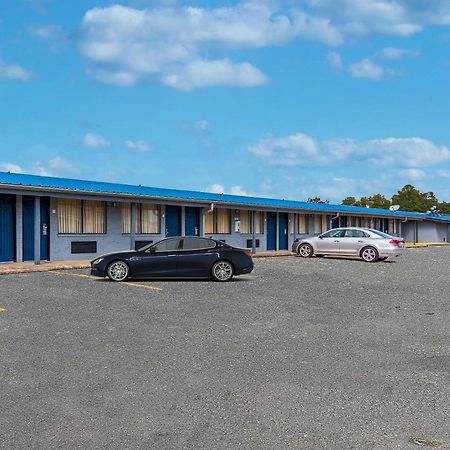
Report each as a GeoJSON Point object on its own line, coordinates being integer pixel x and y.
{"type": "Point", "coordinates": [369, 254]}
{"type": "Point", "coordinates": [222, 271]}
{"type": "Point", "coordinates": [305, 250]}
{"type": "Point", "coordinates": [118, 271]}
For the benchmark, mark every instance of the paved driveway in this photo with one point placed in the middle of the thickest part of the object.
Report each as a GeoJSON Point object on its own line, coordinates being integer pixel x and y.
{"type": "Point", "coordinates": [305, 354]}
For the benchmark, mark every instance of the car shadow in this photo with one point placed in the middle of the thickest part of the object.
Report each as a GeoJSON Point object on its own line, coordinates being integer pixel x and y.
{"type": "Point", "coordinates": [351, 258]}
{"type": "Point", "coordinates": [178, 279]}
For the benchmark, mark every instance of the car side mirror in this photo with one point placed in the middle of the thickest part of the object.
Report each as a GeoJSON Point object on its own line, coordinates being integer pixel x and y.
{"type": "Point", "coordinates": [320, 237]}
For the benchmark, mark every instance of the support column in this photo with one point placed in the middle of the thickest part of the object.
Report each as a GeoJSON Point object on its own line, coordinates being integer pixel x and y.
{"type": "Point", "coordinates": [296, 219]}
{"type": "Point", "coordinates": [253, 232]}
{"type": "Point", "coordinates": [277, 228]}
{"type": "Point", "coordinates": [19, 228]}
{"type": "Point", "coordinates": [37, 230]}
{"type": "Point", "coordinates": [202, 222]}
{"type": "Point", "coordinates": [399, 228]}
{"type": "Point", "coordinates": [132, 226]}
{"type": "Point", "coordinates": [416, 232]}
{"type": "Point", "coordinates": [183, 221]}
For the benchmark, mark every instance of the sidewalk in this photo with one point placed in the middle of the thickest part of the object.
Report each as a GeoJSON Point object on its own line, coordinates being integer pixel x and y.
{"type": "Point", "coordinates": [45, 266]}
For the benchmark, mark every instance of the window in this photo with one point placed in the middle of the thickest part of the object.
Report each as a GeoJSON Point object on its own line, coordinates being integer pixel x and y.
{"type": "Point", "coordinates": [147, 218]}
{"type": "Point", "coordinates": [355, 234]}
{"type": "Point", "coordinates": [320, 223]}
{"type": "Point", "coordinates": [291, 223]}
{"type": "Point", "coordinates": [393, 226]}
{"type": "Point", "coordinates": [168, 245]}
{"type": "Point", "coordinates": [332, 234]}
{"type": "Point", "coordinates": [197, 244]}
{"type": "Point", "coordinates": [246, 221]}
{"type": "Point", "coordinates": [245, 217]}
{"type": "Point", "coordinates": [218, 221]}
{"type": "Point", "coordinates": [81, 217]}
{"type": "Point", "coordinates": [303, 224]}
{"type": "Point", "coordinates": [94, 217]}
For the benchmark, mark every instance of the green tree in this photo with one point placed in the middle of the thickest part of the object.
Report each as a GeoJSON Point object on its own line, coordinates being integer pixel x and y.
{"type": "Point", "coordinates": [444, 208]}
{"type": "Point", "coordinates": [378, 201]}
{"type": "Point", "coordinates": [411, 199]}
{"type": "Point", "coordinates": [317, 200]}
{"type": "Point", "coordinates": [350, 201]}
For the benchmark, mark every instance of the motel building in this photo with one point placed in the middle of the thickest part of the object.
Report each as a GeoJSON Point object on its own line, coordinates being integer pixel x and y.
{"type": "Point", "coordinates": [45, 218]}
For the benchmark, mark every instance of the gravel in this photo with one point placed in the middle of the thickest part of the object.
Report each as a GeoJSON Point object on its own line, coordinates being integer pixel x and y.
{"type": "Point", "coordinates": [314, 353]}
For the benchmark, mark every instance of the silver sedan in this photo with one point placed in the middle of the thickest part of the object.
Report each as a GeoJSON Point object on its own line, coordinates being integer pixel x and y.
{"type": "Point", "coordinates": [369, 244]}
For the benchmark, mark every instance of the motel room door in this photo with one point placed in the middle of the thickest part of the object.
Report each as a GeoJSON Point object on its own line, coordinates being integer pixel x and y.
{"type": "Point", "coordinates": [282, 231]}
{"type": "Point", "coordinates": [271, 231]}
{"type": "Point", "coordinates": [28, 228]}
{"type": "Point", "coordinates": [192, 221]}
{"type": "Point", "coordinates": [173, 221]}
{"type": "Point", "coordinates": [6, 228]}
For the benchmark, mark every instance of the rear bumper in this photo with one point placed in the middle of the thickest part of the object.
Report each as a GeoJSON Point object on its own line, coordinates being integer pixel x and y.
{"type": "Point", "coordinates": [245, 270]}
{"type": "Point", "coordinates": [388, 252]}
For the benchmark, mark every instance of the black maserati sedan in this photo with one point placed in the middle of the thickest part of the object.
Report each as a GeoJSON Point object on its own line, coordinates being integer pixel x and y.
{"type": "Point", "coordinates": [178, 257]}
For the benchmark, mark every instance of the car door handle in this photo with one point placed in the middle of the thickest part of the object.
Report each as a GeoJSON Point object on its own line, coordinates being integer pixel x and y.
{"type": "Point", "coordinates": [337, 241]}
{"type": "Point", "coordinates": [170, 256]}
{"type": "Point", "coordinates": [360, 242]}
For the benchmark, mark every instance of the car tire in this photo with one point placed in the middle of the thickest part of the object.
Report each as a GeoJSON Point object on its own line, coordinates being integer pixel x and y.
{"type": "Point", "coordinates": [369, 254]}
{"type": "Point", "coordinates": [222, 271]}
{"type": "Point", "coordinates": [118, 271]}
{"type": "Point", "coordinates": [305, 251]}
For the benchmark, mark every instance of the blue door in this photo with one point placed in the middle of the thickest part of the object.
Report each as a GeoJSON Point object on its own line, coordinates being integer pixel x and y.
{"type": "Point", "coordinates": [6, 228]}
{"type": "Point", "coordinates": [271, 231]}
{"type": "Point", "coordinates": [192, 221]}
{"type": "Point", "coordinates": [173, 221]}
{"type": "Point", "coordinates": [343, 221]}
{"type": "Point", "coordinates": [283, 231]}
{"type": "Point", "coordinates": [335, 222]}
{"type": "Point", "coordinates": [28, 228]}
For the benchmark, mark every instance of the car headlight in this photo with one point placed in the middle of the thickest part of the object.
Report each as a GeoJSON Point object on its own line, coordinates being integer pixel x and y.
{"type": "Point", "coordinates": [97, 261]}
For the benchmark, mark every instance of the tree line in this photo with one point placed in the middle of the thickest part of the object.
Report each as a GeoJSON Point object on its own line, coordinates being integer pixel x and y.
{"type": "Point", "coordinates": [408, 198]}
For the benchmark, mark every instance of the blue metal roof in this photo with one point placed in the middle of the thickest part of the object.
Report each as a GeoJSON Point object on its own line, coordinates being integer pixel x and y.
{"type": "Point", "coordinates": [97, 187]}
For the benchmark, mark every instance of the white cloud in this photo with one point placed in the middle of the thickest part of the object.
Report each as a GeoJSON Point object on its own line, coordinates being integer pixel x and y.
{"type": "Point", "coordinates": [140, 146]}
{"type": "Point", "coordinates": [95, 141]}
{"type": "Point", "coordinates": [14, 72]}
{"type": "Point", "coordinates": [214, 73]}
{"type": "Point", "coordinates": [216, 188]}
{"type": "Point", "coordinates": [302, 150]}
{"type": "Point", "coordinates": [334, 59]}
{"type": "Point", "coordinates": [444, 173]}
{"type": "Point", "coordinates": [201, 126]}
{"type": "Point", "coordinates": [59, 163]}
{"type": "Point", "coordinates": [46, 31]}
{"type": "Point", "coordinates": [184, 47]}
{"type": "Point", "coordinates": [367, 69]}
{"type": "Point", "coordinates": [10, 167]}
{"type": "Point", "coordinates": [38, 168]}
{"type": "Point", "coordinates": [50, 168]}
{"type": "Point", "coordinates": [287, 151]}
{"type": "Point", "coordinates": [397, 54]}
{"type": "Point", "coordinates": [221, 189]}
{"type": "Point", "coordinates": [413, 174]}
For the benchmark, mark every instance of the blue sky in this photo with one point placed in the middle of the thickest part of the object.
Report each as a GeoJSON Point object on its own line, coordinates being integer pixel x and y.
{"type": "Point", "coordinates": [286, 99]}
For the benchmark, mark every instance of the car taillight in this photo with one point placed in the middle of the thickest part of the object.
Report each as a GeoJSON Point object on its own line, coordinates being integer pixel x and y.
{"type": "Point", "coordinates": [395, 241]}
{"type": "Point", "coordinates": [248, 253]}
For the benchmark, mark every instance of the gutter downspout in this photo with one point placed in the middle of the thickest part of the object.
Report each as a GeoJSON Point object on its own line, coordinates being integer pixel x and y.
{"type": "Point", "coordinates": [332, 218]}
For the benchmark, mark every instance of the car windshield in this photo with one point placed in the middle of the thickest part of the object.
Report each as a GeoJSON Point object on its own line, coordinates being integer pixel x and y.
{"type": "Point", "coordinates": [380, 233]}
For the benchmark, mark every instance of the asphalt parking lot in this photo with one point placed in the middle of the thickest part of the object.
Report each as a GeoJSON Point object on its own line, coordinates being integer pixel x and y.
{"type": "Point", "coordinates": [303, 354]}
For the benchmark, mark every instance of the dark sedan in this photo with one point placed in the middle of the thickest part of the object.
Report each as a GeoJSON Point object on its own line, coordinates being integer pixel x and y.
{"type": "Point", "coordinates": [176, 257]}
